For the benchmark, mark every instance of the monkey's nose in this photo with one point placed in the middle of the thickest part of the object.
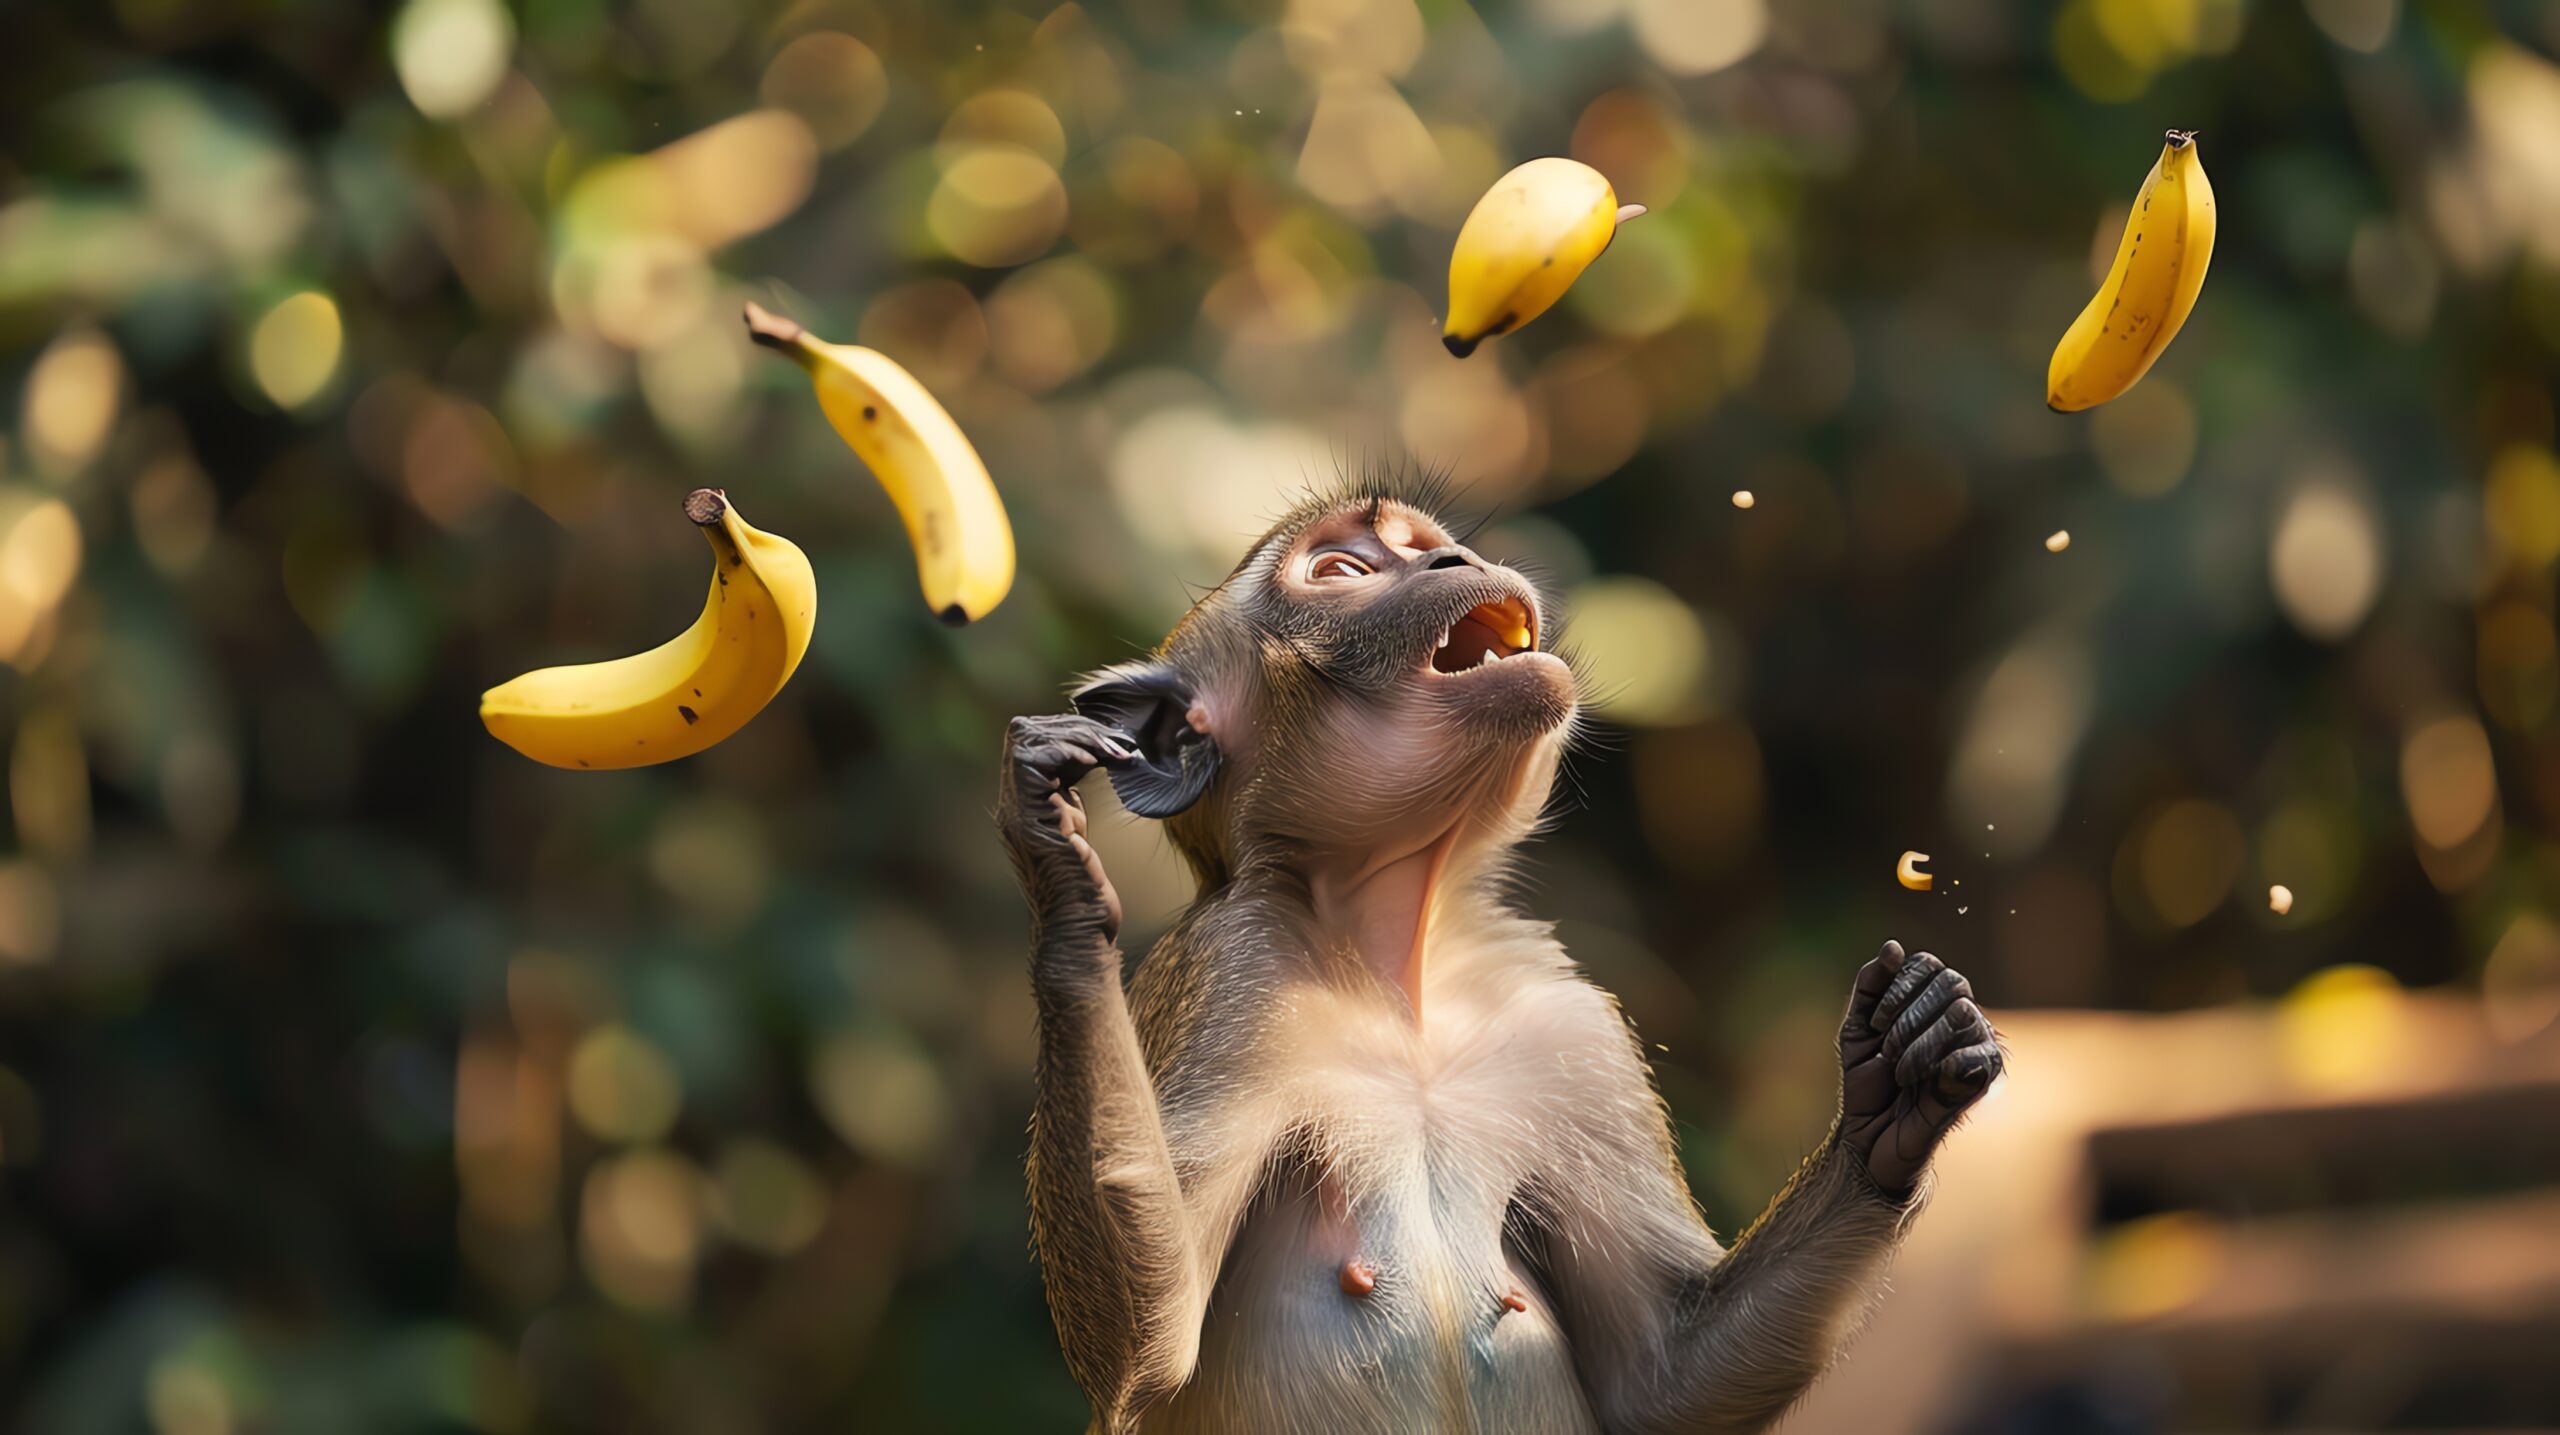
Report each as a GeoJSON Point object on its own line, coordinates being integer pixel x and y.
{"type": "Point", "coordinates": [1450, 558]}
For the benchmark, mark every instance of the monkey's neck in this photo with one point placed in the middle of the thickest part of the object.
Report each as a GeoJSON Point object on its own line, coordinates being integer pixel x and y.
{"type": "Point", "coordinates": [1381, 908]}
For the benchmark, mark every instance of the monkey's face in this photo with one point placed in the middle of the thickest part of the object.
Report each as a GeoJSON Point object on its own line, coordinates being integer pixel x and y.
{"type": "Point", "coordinates": [1392, 610]}
{"type": "Point", "coordinates": [1400, 672]}
{"type": "Point", "coordinates": [1362, 678]}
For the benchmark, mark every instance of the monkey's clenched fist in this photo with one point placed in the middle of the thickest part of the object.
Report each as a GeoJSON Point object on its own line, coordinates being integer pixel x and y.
{"type": "Point", "coordinates": [1915, 1053]}
{"type": "Point", "coordinates": [1044, 825]}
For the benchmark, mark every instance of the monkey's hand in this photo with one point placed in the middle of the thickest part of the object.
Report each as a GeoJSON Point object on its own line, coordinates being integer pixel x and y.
{"type": "Point", "coordinates": [1043, 821]}
{"type": "Point", "coordinates": [1915, 1054]}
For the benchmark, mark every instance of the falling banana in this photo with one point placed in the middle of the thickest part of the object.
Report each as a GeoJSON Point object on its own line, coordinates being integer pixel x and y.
{"type": "Point", "coordinates": [1524, 244]}
{"type": "Point", "coordinates": [963, 542]}
{"type": "Point", "coordinates": [2150, 290]}
{"type": "Point", "coordinates": [690, 692]}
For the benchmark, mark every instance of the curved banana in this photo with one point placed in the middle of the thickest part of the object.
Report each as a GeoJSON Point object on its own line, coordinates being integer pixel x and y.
{"type": "Point", "coordinates": [2159, 268]}
{"type": "Point", "coordinates": [1524, 244]}
{"type": "Point", "coordinates": [963, 542]}
{"type": "Point", "coordinates": [690, 692]}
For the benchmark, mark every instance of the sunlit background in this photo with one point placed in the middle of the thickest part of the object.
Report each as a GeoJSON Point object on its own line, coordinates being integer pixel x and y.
{"type": "Point", "coordinates": [358, 1074]}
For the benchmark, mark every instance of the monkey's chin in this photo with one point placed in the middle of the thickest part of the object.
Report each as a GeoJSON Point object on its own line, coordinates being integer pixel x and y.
{"type": "Point", "coordinates": [1523, 696]}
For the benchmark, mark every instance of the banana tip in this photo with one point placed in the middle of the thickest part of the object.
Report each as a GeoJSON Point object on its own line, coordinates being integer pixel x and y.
{"type": "Point", "coordinates": [954, 616]}
{"type": "Point", "coordinates": [705, 505]}
{"type": "Point", "coordinates": [1459, 346]}
{"type": "Point", "coordinates": [1629, 211]}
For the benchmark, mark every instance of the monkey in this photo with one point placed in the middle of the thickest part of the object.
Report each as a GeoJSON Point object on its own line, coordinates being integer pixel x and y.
{"type": "Point", "coordinates": [1357, 1147]}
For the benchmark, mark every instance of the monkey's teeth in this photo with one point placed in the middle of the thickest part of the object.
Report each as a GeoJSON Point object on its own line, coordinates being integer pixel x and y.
{"type": "Point", "coordinates": [1444, 638]}
{"type": "Point", "coordinates": [1489, 657]}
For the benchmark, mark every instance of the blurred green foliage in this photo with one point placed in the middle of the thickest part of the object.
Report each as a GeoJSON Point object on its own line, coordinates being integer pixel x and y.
{"type": "Point", "coordinates": [357, 1074]}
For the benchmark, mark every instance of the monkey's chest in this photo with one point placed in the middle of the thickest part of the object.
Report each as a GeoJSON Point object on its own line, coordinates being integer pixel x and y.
{"type": "Point", "coordinates": [1379, 1295]}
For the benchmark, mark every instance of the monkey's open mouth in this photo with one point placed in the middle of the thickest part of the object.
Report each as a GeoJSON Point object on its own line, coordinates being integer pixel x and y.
{"type": "Point", "coordinates": [1488, 633]}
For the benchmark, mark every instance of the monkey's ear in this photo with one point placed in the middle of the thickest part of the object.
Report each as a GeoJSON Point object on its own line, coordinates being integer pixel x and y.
{"type": "Point", "coordinates": [1152, 702]}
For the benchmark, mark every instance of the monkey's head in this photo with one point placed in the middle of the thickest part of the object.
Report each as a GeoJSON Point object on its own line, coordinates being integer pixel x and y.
{"type": "Point", "coordinates": [1361, 682]}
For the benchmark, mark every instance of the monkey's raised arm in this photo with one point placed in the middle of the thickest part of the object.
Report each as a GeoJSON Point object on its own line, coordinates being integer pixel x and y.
{"type": "Point", "coordinates": [1129, 1255]}
{"type": "Point", "coordinates": [1682, 1338]}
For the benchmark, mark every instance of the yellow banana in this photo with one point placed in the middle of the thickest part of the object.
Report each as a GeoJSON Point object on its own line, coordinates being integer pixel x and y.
{"type": "Point", "coordinates": [963, 542]}
{"type": "Point", "coordinates": [1524, 244]}
{"type": "Point", "coordinates": [690, 692]}
{"type": "Point", "coordinates": [2159, 268]}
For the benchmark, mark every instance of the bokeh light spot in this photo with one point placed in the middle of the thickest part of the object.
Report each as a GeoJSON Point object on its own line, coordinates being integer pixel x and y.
{"type": "Point", "coordinates": [1017, 118]}
{"type": "Point", "coordinates": [996, 206]}
{"type": "Point", "coordinates": [294, 350]}
{"type": "Point", "coordinates": [2146, 440]}
{"type": "Point", "coordinates": [2342, 1029]}
{"type": "Point", "coordinates": [2522, 503]}
{"type": "Point", "coordinates": [2152, 1266]}
{"type": "Point", "coordinates": [1645, 653]}
{"type": "Point", "coordinates": [451, 54]}
{"type": "Point", "coordinates": [40, 556]}
{"type": "Point", "coordinates": [73, 392]}
{"type": "Point", "coordinates": [2191, 853]}
{"type": "Point", "coordinates": [2363, 26]}
{"type": "Point", "coordinates": [833, 82]}
{"type": "Point", "coordinates": [2520, 983]}
{"type": "Point", "coordinates": [766, 1198]}
{"type": "Point", "coordinates": [184, 1396]}
{"type": "Point", "coordinates": [622, 1088]}
{"type": "Point", "coordinates": [882, 1096]}
{"type": "Point", "coordinates": [2449, 780]}
{"type": "Point", "coordinates": [1687, 37]}
{"type": "Point", "coordinates": [2326, 559]}
{"type": "Point", "coordinates": [640, 1227]}
{"type": "Point", "coordinates": [1052, 321]}
{"type": "Point", "coordinates": [30, 913]}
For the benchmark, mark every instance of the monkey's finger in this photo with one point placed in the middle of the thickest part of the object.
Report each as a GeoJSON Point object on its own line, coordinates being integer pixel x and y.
{"type": "Point", "coordinates": [1054, 765]}
{"type": "Point", "coordinates": [1866, 1087]}
{"type": "Point", "coordinates": [1071, 818]}
{"type": "Point", "coordinates": [1934, 1001]}
{"type": "Point", "coordinates": [1101, 881]}
{"type": "Point", "coordinates": [1970, 1024]}
{"type": "Point", "coordinates": [1962, 1025]}
{"type": "Point", "coordinates": [1916, 974]}
{"type": "Point", "coordinates": [1873, 978]}
{"type": "Point", "coordinates": [1964, 1074]}
{"type": "Point", "coordinates": [1857, 1037]}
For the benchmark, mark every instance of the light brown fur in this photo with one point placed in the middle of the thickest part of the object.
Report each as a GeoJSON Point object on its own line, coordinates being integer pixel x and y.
{"type": "Point", "coordinates": [1351, 1055]}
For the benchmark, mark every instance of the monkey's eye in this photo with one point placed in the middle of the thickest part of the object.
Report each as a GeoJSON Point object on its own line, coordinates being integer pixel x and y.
{"type": "Point", "coordinates": [1338, 565]}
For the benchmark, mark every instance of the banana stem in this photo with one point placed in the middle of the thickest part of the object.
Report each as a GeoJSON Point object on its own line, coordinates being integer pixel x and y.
{"type": "Point", "coordinates": [783, 336]}
{"type": "Point", "coordinates": [708, 508]}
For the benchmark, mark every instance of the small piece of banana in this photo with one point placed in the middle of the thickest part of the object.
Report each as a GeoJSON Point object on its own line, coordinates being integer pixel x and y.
{"type": "Point", "coordinates": [1908, 873]}
{"type": "Point", "coordinates": [689, 692]}
{"type": "Point", "coordinates": [2150, 290]}
{"type": "Point", "coordinates": [957, 524]}
{"type": "Point", "coordinates": [1524, 244]}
